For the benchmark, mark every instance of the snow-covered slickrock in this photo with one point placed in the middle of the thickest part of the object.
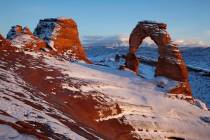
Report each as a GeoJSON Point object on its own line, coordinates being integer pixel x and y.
{"type": "Point", "coordinates": [170, 62]}
{"type": "Point", "coordinates": [62, 37]}
{"type": "Point", "coordinates": [23, 38]}
{"type": "Point", "coordinates": [42, 97]}
{"type": "Point", "coordinates": [37, 98]}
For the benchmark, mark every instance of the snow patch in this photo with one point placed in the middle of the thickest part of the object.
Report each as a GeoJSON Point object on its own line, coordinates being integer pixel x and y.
{"type": "Point", "coordinates": [72, 88]}
{"type": "Point", "coordinates": [8, 133]}
{"type": "Point", "coordinates": [143, 104]}
{"type": "Point", "coordinates": [166, 83]}
{"type": "Point", "coordinates": [21, 40]}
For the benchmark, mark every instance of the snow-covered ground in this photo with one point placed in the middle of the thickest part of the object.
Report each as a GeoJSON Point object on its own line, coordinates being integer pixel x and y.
{"type": "Point", "coordinates": [11, 87]}
{"type": "Point", "coordinates": [9, 133]}
{"type": "Point", "coordinates": [145, 106]}
{"type": "Point", "coordinates": [194, 56]}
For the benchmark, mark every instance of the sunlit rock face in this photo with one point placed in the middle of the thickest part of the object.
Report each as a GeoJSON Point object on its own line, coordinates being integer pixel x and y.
{"type": "Point", "coordinates": [170, 62]}
{"type": "Point", "coordinates": [23, 38]}
{"type": "Point", "coordinates": [62, 37]}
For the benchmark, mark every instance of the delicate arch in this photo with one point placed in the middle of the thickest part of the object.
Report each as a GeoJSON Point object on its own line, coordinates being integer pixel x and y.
{"type": "Point", "coordinates": [170, 62]}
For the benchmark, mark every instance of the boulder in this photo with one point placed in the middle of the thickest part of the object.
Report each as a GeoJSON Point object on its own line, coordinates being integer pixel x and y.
{"type": "Point", "coordinates": [62, 37]}
{"type": "Point", "coordinates": [23, 38]}
{"type": "Point", "coordinates": [170, 62]}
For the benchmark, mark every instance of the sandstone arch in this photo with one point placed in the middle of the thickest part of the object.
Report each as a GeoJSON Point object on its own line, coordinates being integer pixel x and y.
{"type": "Point", "coordinates": [170, 62]}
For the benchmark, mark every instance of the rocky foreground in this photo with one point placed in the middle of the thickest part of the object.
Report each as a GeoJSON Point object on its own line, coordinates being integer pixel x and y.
{"type": "Point", "coordinates": [45, 96]}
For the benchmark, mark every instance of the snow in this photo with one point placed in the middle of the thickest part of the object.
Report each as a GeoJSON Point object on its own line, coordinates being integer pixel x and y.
{"type": "Point", "coordinates": [51, 44]}
{"type": "Point", "coordinates": [143, 103]}
{"type": "Point", "coordinates": [195, 57]}
{"type": "Point", "coordinates": [62, 18]}
{"type": "Point", "coordinates": [147, 71]}
{"type": "Point", "coordinates": [166, 83]}
{"type": "Point", "coordinates": [20, 40]}
{"type": "Point", "coordinates": [48, 31]}
{"type": "Point", "coordinates": [108, 41]}
{"type": "Point", "coordinates": [66, 86]}
{"type": "Point", "coordinates": [200, 104]}
{"type": "Point", "coordinates": [49, 78]}
{"type": "Point", "coordinates": [21, 111]}
{"type": "Point", "coordinates": [7, 118]}
{"type": "Point", "coordinates": [8, 133]}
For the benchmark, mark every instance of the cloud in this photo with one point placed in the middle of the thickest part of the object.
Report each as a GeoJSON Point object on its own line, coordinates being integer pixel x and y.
{"type": "Point", "coordinates": [190, 43]}
{"type": "Point", "coordinates": [115, 40]}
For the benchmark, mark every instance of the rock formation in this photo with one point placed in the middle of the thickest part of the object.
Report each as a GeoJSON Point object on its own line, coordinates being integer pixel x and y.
{"type": "Point", "coordinates": [1, 38]}
{"type": "Point", "coordinates": [170, 62]}
{"type": "Point", "coordinates": [132, 62]}
{"type": "Point", "coordinates": [23, 38]}
{"type": "Point", "coordinates": [62, 37]}
{"type": "Point", "coordinates": [3, 41]}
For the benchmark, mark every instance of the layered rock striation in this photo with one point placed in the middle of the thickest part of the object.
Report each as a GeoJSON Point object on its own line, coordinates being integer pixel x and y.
{"type": "Point", "coordinates": [3, 42]}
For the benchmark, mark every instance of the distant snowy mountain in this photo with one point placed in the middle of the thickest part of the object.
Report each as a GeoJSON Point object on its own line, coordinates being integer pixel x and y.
{"type": "Point", "coordinates": [191, 43]}
{"type": "Point", "coordinates": [123, 40]}
{"type": "Point", "coordinates": [113, 41]}
{"type": "Point", "coordinates": [108, 41]}
{"type": "Point", "coordinates": [195, 53]}
{"type": "Point", "coordinates": [195, 57]}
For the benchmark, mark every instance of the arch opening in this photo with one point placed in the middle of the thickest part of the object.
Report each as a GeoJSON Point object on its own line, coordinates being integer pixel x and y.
{"type": "Point", "coordinates": [147, 54]}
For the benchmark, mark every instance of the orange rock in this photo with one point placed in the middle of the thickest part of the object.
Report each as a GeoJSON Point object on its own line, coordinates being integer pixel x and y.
{"type": "Point", "coordinates": [23, 38]}
{"type": "Point", "coordinates": [62, 37]}
{"type": "Point", "coordinates": [85, 109]}
{"type": "Point", "coordinates": [132, 62]}
{"type": "Point", "coordinates": [170, 62]}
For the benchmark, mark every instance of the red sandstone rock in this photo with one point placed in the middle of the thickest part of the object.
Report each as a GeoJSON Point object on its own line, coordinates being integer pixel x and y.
{"type": "Point", "coordinates": [62, 37]}
{"type": "Point", "coordinates": [170, 62]}
{"type": "Point", "coordinates": [132, 62]}
{"type": "Point", "coordinates": [84, 108]}
{"type": "Point", "coordinates": [3, 41]}
{"type": "Point", "coordinates": [23, 38]}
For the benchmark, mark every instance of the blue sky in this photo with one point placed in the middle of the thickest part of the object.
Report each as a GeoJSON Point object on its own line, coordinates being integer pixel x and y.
{"type": "Point", "coordinates": [186, 19]}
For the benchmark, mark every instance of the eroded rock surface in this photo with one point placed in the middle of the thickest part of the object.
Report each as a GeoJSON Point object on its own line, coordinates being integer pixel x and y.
{"type": "Point", "coordinates": [3, 41]}
{"type": "Point", "coordinates": [170, 62]}
{"type": "Point", "coordinates": [35, 99]}
{"type": "Point", "coordinates": [23, 38]}
{"type": "Point", "coordinates": [62, 37]}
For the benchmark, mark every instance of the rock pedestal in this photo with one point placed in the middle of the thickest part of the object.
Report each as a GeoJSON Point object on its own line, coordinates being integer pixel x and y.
{"type": "Point", "coordinates": [62, 37]}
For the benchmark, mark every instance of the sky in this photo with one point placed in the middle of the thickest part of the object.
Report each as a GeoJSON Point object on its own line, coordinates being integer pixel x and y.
{"type": "Point", "coordinates": [187, 19]}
